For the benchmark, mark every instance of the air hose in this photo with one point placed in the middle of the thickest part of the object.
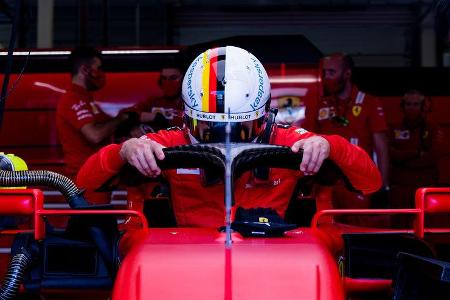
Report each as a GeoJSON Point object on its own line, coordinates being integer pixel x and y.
{"type": "Point", "coordinates": [45, 178]}
{"type": "Point", "coordinates": [69, 190]}
{"type": "Point", "coordinates": [14, 275]}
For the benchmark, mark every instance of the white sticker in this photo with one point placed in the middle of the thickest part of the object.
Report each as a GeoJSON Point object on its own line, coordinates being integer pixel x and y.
{"type": "Point", "coordinates": [189, 171]}
{"type": "Point", "coordinates": [324, 113]}
{"type": "Point", "coordinates": [301, 131]}
{"type": "Point", "coordinates": [401, 134]}
{"type": "Point", "coordinates": [354, 141]}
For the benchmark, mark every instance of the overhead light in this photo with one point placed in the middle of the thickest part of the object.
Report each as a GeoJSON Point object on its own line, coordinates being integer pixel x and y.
{"type": "Point", "coordinates": [24, 53]}
{"type": "Point", "coordinates": [156, 51]}
{"type": "Point", "coordinates": [107, 52]}
{"type": "Point", "coordinates": [293, 79]}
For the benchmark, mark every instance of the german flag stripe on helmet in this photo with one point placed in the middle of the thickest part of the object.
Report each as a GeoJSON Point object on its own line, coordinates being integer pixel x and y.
{"type": "Point", "coordinates": [213, 75]}
{"type": "Point", "coordinates": [220, 80]}
{"type": "Point", "coordinates": [212, 80]}
{"type": "Point", "coordinates": [205, 81]}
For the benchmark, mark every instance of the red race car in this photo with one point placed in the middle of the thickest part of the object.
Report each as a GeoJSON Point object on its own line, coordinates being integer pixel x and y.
{"type": "Point", "coordinates": [259, 259]}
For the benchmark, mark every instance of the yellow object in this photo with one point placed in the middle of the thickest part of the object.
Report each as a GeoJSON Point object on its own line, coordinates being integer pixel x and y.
{"type": "Point", "coordinates": [263, 220]}
{"type": "Point", "coordinates": [10, 162]}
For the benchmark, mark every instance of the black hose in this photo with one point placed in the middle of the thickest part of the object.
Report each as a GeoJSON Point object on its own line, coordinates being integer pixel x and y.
{"type": "Point", "coordinates": [70, 191]}
{"type": "Point", "coordinates": [45, 178]}
{"type": "Point", "coordinates": [14, 276]}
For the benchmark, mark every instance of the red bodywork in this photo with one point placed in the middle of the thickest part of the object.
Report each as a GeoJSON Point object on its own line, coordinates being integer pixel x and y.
{"type": "Point", "coordinates": [193, 263]}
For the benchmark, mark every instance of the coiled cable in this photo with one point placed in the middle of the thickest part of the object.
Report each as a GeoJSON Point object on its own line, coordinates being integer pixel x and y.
{"type": "Point", "coordinates": [45, 178]}
{"type": "Point", "coordinates": [14, 275]}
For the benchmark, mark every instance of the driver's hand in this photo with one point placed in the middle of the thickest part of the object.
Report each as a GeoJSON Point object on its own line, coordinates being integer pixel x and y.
{"type": "Point", "coordinates": [141, 153]}
{"type": "Point", "coordinates": [315, 150]}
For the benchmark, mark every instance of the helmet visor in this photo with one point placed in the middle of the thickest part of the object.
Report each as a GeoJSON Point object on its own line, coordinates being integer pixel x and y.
{"type": "Point", "coordinates": [214, 132]}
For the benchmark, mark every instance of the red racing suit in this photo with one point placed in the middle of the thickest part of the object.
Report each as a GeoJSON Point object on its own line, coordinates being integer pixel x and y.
{"type": "Point", "coordinates": [198, 205]}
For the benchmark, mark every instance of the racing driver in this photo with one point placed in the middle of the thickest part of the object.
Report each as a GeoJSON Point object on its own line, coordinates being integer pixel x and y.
{"type": "Point", "coordinates": [229, 84]}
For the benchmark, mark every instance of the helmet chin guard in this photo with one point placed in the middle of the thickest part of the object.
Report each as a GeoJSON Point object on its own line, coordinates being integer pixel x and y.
{"type": "Point", "coordinates": [225, 84]}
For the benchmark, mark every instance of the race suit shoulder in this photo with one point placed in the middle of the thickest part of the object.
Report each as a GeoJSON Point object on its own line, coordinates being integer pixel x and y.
{"type": "Point", "coordinates": [353, 160]}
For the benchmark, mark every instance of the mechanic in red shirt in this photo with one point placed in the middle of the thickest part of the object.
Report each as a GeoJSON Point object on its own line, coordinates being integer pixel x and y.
{"type": "Point", "coordinates": [221, 80]}
{"type": "Point", "coordinates": [416, 144]}
{"type": "Point", "coordinates": [83, 127]}
{"type": "Point", "coordinates": [161, 112]}
{"type": "Point", "coordinates": [358, 117]}
{"type": "Point", "coordinates": [165, 111]}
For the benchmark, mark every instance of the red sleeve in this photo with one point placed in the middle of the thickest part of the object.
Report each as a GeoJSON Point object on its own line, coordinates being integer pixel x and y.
{"type": "Point", "coordinates": [100, 167]}
{"type": "Point", "coordinates": [288, 136]}
{"type": "Point", "coordinates": [107, 161]}
{"type": "Point", "coordinates": [77, 113]}
{"type": "Point", "coordinates": [376, 119]}
{"type": "Point", "coordinates": [168, 138]}
{"type": "Point", "coordinates": [355, 163]}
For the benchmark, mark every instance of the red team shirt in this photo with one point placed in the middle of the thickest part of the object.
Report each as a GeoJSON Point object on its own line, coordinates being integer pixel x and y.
{"type": "Point", "coordinates": [161, 104]}
{"type": "Point", "coordinates": [415, 154]}
{"type": "Point", "coordinates": [363, 112]}
{"type": "Point", "coordinates": [360, 117]}
{"type": "Point", "coordinates": [198, 205]}
{"type": "Point", "coordinates": [75, 109]}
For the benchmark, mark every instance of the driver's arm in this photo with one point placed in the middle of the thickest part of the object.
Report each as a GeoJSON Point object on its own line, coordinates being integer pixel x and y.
{"type": "Point", "coordinates": [354, 162]}
{"type": "Point", "coordinates": [142, 153]}
{"type": "Point", "coordinates": [108, 161]}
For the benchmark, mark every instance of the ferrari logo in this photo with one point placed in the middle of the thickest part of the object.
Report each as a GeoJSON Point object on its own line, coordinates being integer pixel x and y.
{"type": "Point", "coordinates": [356, 110]}
{"type": "Point", "coordinates": [289, 101]}
{"type": "Point", "coordinates": [263, 220]}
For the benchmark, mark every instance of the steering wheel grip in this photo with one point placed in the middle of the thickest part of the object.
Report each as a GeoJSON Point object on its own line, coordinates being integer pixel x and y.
{"type": "Point", "coordinates": [244, 157]}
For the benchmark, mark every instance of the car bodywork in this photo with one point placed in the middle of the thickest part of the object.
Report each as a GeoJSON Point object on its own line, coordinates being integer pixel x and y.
{"type": "Point", "coordinates": [327, 260]}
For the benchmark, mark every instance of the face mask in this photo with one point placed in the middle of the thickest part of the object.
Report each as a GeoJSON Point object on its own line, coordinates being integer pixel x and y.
{"type": "Point", "coordinates": [95, 80]}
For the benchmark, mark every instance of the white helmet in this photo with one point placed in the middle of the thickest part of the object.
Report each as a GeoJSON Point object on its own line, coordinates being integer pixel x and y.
{"type": "Point", "coordinates": [225, 84]}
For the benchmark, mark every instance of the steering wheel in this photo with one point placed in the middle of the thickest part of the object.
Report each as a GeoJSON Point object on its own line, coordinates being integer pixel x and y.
{"type": "Point", "coordinates": [244, 157]}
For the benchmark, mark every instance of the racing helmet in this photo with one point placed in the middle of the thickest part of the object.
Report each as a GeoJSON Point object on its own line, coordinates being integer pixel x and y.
{"type": "Point", "coordinates": [225, 84]}
{"type": "Point", "coordinates": [11, 162]}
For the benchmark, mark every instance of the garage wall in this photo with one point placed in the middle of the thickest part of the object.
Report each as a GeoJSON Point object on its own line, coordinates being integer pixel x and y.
{"type": "Point", "coordinates": [375, 36]}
